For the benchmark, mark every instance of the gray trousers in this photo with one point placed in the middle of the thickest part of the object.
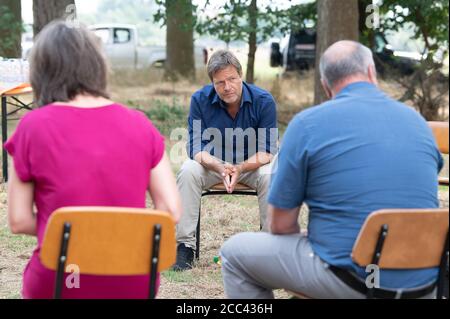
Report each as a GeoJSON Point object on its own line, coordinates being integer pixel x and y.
{"type": "Point", "coordinates": [253, 264]}
{"type": "Point", "coordinates": [193, 178]}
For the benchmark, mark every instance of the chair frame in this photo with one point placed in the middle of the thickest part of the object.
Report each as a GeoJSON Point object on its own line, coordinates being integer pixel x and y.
{"type": "Point", "coordinates": [211, 192]}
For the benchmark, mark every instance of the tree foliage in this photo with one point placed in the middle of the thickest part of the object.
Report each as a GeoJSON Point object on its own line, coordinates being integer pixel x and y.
{"type": "Point", "coordinates": [427, 87]}
{"type": "Point", "coordinates": [231, 21]}
{"type": "Point", "coordinates": [428, 18]}
{"type": "Point", "coordinates": [11, 28]}
{"type": "Point", "coordinates": [297, 17]}
{"type": "Point", "coordinates": [243, 20]}
{"type": "Point", "coordinates": [228, 24]}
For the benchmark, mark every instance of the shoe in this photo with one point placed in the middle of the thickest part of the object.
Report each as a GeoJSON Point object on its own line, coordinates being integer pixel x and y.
{"type": "Point", "coordinates": [185, 258]}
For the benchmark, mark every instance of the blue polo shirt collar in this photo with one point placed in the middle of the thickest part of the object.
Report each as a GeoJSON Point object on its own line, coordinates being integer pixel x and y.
{"type": "Point", "coordinates": [356, 86]}
{"type": "Point", "coordinates": [246, 97]}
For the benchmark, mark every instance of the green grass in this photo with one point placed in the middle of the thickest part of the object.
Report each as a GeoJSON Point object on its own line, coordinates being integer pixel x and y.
{"type": "Point", "coordinates": [244, 201]}
{"type": "Point", "coordinates": [15, 243]}
{"type": "Point", "coordinates": [178, 276]}
{"type": "Point", "coordinates": [246, 227]}
{"type": "Point", "coordinates": [165, 116]}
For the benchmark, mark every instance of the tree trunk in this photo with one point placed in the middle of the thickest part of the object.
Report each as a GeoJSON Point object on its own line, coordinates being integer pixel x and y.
{"type": "Point", "coordinates": [180, 40]}
{"type": "Point", "coordinates": [11, 29]}
{"type": "Point", "coordinates": [337, 20]}
{"type": "Point", "coordinates": [45, 11]}
{"type": "Point", "coordinates": [253, 17]}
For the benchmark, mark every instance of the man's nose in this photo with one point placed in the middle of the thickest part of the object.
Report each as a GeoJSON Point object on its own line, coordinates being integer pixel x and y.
{"type": "Point", "coordinates": [227, 86]}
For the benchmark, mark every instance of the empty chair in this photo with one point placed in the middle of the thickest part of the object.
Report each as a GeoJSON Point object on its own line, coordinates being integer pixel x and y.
{"type": "Point", "coordinates": [440, 132]}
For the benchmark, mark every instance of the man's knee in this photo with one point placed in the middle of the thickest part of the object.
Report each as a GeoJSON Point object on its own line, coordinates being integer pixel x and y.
{"type": "Point", "coordinates": [190, 171]}
{"type": "Point", "coordinates": [263, 182]}
{"type": "Point", "coordinates": [231, 247]}
{"type": "Point", "coordinates": [237, 245]}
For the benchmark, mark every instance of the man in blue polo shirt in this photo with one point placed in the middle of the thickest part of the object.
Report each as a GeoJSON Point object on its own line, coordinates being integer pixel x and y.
{"type": "Point", "coordinates": [232, 138]}
{"type": "Point", "coordinates": [357, 153]}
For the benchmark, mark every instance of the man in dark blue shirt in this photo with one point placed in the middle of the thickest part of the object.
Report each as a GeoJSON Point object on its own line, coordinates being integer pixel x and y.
{"type": "Point", "coordinates": [232, 137]}
{"type": "Point", "coordinates": [357, 153]}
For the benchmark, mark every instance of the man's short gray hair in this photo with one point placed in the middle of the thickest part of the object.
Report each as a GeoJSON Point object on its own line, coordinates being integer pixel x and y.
{"type": "Point", "coordinates": [354, 59]}
{"type": "Point", "coordinates": [222, 59]}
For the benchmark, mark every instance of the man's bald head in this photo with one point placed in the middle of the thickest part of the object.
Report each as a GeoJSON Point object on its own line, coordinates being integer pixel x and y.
{"type": "Point", "coordinates": [343, 60]}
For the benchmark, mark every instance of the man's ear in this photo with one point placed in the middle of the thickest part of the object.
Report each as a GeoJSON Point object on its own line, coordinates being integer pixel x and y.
{"type": "Point", "coordinates": [326, 89]}
{"type": "Point", "coordinates": [372, 74]}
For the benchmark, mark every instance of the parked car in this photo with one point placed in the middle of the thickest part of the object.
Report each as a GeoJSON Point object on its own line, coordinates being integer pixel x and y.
{"type": "Point", "coordinates": [121, 43]}
{"type": "Point", "coordinates": [297, 51]}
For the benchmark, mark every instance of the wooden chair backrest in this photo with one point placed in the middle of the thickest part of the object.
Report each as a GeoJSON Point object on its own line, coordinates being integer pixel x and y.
{"type": "Point", "coordinates": [109, 240]}
{"type": "Point", "coordinates": [440, 132]}
{"type": "Point", "coordinates": [415, 239]}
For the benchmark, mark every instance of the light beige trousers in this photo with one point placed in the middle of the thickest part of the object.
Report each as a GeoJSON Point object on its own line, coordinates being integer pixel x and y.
{"type": "Point", "coordinates": [193, 178]}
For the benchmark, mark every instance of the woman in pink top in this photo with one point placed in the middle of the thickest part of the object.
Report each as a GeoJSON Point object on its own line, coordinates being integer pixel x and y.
{"type": "Point", "coordinates": [81, 149]}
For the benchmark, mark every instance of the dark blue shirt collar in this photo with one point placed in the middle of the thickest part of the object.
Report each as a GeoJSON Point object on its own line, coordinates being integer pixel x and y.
{"type": "Point", "coordinates": [246, 97]}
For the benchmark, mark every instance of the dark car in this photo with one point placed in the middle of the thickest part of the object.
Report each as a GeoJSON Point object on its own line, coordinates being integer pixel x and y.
{"type": "Point", "coordinates": [298, 52]}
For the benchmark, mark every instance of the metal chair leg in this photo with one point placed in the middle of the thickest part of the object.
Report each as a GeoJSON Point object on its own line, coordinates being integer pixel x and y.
{"type": "Point", "coordinates": [197, 235]}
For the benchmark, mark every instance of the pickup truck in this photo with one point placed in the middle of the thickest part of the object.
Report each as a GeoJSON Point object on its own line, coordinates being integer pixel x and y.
{"type": "Point", "coordinates": [121, 44]}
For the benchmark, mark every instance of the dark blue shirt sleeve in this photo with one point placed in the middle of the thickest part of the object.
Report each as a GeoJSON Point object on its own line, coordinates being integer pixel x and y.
{"type": "Point", "coordinates": [290, 171]}
{"type": "Point", "coordinates": [267, 127]}
{"type": "Point", "coordinates": [195, 128]}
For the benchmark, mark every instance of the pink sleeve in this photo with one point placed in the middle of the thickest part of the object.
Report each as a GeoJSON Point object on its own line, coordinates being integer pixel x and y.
{"type": "Point", "coordinates": [18, 146]}
{"type": "Point", "coordinates": [157, 145]}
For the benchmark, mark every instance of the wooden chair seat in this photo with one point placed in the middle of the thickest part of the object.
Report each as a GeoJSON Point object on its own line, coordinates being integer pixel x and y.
{"type": "Point", "coordinates": [239, 187]}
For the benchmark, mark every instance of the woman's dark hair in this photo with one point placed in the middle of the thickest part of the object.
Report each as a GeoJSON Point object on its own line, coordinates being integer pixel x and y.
{"type": "Point", "coordinates": [66, 61]}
